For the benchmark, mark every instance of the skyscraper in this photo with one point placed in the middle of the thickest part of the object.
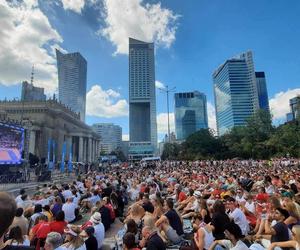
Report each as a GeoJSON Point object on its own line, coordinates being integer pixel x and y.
{"type": "Point", "coordinates": [262, 91]}
{"type": "Point", "coordinates": [72, 69]}
{"type": "Point", "coordinates": [142, 102]}
{"type": "Point", "coordinates": [110, 134]}
{"type": "Point", "coordinates": [190, 113]}
{"type": "Point", "coordinates": [32, 93]}
{"type": "Point", "coordinates": [295, 109]}
{"type": "Point", "coordinates": [235, 90]}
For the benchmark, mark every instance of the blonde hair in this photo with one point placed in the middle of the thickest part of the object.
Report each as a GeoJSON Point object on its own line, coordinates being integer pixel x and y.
{"type": "Point", "coordinates": [76, 241]}
{"type": "Point", "coordinates": [296, 230]}
{"type": "Point", "coordinates": [292, 209]}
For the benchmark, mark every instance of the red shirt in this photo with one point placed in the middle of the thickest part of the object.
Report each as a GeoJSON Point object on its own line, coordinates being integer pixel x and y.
{"type": "Point", "coordinates": [181, 196]}
{"type": "Point", "coordinates": [58, 226]}
{"type": "Point", "coordinates": [41, 230]}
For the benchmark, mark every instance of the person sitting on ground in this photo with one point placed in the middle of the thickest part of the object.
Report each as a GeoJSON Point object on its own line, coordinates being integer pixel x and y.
{"type": "Point", "coordinates": [20, 221]}
{"type": "Point", "coordinates": [151, 239]}
{"type": "Point", "coordinates": [16, 238]}
{"type": "Point", "coordinates": [147, 205]}
{"type": "Point", "coordinates": [132, 228]}
{"type": "Point", "coordinates": [53, 241]}
{"type": "Point", "coordinates": [99, 228]}
{"type": "Point", "coordinates": [59, 224]}
{"type": "Point", "coordinates": [91, 241]}
{"type": "Point", "coordinates": [73, 239]}
{"type": "Point", "coordinates": [219, 220]}
{"type": "Point", "coordinates": [69, 209]}
{"type": "Point", "coordinates": [234, 234]}
{"type": "Point", "coordinates": [38, 209]}
{"type": "Point", "coordinates": [203, 236]}
{"type": "Point", "coordinates": [129, 242]}
{"type": "Point", "coordinates": [57, 206]}
{"type": "Point", "coordinates": [48, 212]}
{"type": "Point", "coordinates": [39, 232]}
{"type": "Point", "coordinates": [170, 223]}
{"type": "Point", "coordinates": [105, 214]}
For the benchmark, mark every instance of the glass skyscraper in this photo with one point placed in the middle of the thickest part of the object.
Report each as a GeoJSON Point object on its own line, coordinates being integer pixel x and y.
{"type": "Point", "coordinates": [262, 91]}
{"type": "Point", "coordinates": [32, 93]}
{"type": "Point", "coordinates": [190, 113]}
{"type": "Point", "coordinates": [142, 102]}
{"type": "Point", "coordinates": [235, 91]}
{"type": "Point", "coordinates": [72, 70]}
{"type": "Point", "coordinates": [111, 136]}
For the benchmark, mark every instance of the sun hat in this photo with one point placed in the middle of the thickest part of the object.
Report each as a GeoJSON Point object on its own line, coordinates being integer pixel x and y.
{"type": "Point", "coordinates": [69, 230]}
{"type": "Point", "coordinates": [197, 194]}
{"type": "Point", "coordinates": [96, 218]}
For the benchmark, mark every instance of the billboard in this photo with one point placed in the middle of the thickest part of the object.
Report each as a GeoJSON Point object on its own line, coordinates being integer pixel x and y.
{"type": "Point", "coordinates": [11, 143]}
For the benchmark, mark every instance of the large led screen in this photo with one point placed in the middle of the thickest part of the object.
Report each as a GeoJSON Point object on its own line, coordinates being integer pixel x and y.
{"type": "Point", "coordinates": [11, 144]}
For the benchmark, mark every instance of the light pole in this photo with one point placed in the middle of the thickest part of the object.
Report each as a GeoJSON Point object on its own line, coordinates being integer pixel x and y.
{"type": "Point", "coordinates": [167, 90]}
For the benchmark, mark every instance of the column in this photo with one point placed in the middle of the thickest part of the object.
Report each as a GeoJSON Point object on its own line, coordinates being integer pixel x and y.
{"type": "Point", "coordinates": [80, 150]}
{"type": "Point", "coordinates": [90, 150]}
{"type": "Point", "coordinates": [32, 142]}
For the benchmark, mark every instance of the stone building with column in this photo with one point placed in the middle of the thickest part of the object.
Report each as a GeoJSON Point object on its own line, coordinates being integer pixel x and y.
{"type": "Point", "coordinates": [52, 120]}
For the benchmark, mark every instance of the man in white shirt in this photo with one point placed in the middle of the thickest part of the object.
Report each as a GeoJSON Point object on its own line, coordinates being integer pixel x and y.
{"type": "Point", "coordinates": [69, 209]}
{"type": "Point", "coordinates": [99, 228]}
{"type": "Point", "coordinates": [238, 216]}
{"type": "Point", "coordinates": [67, 192]}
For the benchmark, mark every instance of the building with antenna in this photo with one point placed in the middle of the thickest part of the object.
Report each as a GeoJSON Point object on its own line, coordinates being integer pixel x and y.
{"type": "Point", "coordinates": [31, 92]}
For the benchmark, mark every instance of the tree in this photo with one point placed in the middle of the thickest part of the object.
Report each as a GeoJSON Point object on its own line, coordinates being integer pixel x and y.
{"type": "Point", "coordinates": [171, 151]}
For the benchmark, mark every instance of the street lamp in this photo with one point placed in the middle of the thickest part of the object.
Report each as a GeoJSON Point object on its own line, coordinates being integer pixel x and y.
{"type": "Point", "coordinates": [167, 90]}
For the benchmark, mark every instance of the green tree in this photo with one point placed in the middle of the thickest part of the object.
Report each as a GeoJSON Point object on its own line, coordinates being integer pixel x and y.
{"type": "Point", "coordinates": [171, 151]}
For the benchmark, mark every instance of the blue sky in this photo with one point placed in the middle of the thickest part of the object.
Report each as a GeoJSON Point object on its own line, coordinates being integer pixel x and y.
{"type": "Point", "coordinates": [192, 38]}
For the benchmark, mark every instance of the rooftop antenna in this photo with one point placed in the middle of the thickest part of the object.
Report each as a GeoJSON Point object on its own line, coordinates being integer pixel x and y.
{"type": "Point", "coordinates": [32, 75]}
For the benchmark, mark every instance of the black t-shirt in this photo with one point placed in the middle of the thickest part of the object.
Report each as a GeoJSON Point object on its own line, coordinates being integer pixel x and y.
{"type": "Point", "coordinates": [148, 207]}
{"type": "Point", "coordinates": [175, 221]}
{"type": "Point", "coordinates": [282, 233]}
{"type": "Point", "coordinates": [105, 217]}
{"type": "Point", "coordinates": [219, 221]}
{"type": "Point", "coordinates": [91, 243]}
{"type": "Point", "coordinates": [155, 243]}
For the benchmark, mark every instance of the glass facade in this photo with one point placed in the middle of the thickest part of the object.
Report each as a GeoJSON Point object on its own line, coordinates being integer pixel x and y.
{"type": "Point", "coordinates": [190, 113]}
{"type": "Point", "coordinates": [295, 107]}
{"type": "Point", "coordinates": [111, 136]}
{"type": "Point", "coordinates": [235, 92]}
{"type": "Point", "coordinates": [142, 101]}
{"type": "Point", "coordinates": [32, 93]}
{"type": "Point", "coordinates": [262, 91]}
{"type": "Point", "coordinates": [72, 70]}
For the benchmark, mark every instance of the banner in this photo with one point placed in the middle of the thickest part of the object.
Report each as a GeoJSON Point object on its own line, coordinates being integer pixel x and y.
{"type": "Point", "coordinates": [70, 167]}
{"type": "Point", "coordinates": [53, 156]}
{"type": "Point", "coordinates": [62, 164]}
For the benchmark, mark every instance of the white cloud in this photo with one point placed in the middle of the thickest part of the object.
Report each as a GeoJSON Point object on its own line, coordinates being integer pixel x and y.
{"type": "Point", "coordinates": [105, 103]}
{"type": "Point", "coordinates": [125, 137]}
{"type": "Point", "coordinates": [132, 18]}
{"type": "Point", "coordinates": [25, 35]}
{"type": "Point", "coordinates": [74, 5]}
{"type": "Point", "coordinates": [162, 123]}
{"type": "Point", "coordinates": [211, 115]}
{"type": "Point", "coordinates": [159, 85]}
{"type": "Point", "coordinates": [279, 104]}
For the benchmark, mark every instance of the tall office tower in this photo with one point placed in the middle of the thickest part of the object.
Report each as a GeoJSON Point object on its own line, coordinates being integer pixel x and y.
{"type": "Point", "coordinates": [262, 91]}
{"type": "Point", "coordinates": [32, 93]}
{"type": "Point", "coordinates": [295, 109]}
{"type": "Point", "coordinates": [142, 102]}
{"type": "Point", "coordinates": [235, 90]}
{"type": "Point", "coordinates": [110, 134]}
{"type": "Point", "coordinates": [190, 113]}
{"type": "Point", "coordinates": [72, 70]}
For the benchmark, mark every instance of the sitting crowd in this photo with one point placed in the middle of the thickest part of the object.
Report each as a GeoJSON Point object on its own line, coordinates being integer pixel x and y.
{"type": "Point", "coordinates": [172, 205]}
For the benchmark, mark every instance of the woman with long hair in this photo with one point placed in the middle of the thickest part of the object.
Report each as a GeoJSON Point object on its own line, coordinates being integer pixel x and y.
{"type": "Point", "coordinates": [16, 238]}
{"type": "Point", "coordinates": [219, 220]}
{"type": "Point", "coordinates": [57, 206]}
{"type": "Point", "coordinates": [73, 239]}
{"type": "Point", "coordinates": [294, 217]}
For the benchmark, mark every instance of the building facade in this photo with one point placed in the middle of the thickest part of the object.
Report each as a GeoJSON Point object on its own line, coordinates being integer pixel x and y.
{"type": "Point", "coordinates": [32, 93]}
{"type": "Point", "coordinates": [190, 113]}
{"type": "Point", "coordinates": [235, 91]}
{"type": "Point", "coordinates": [111, 136]}
{"type": "Point", "coordinates": [142, 101]}
{"type": "Point", "coordinates": [50, 120]}
{"type": "Point", "coordinates": [72, 73]}
{"type": "Point", "coordinates": [295, 109]}
{"type": "Point", "coordinates": [262, 91]}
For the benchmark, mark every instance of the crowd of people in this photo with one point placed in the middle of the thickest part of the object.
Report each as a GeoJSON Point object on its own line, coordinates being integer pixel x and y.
{"type": "Point", "coordinates": [233, 204]}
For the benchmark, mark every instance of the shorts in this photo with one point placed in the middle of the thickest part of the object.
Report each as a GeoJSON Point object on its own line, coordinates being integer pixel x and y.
{"type": "Point", "coordinates": [173, 236]}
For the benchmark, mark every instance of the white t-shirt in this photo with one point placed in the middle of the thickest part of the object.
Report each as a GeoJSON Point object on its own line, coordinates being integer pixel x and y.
{"type": "Point", "coordinates": [239, 245]}
{"type": "Point", "coordinates": [82, 247]}
{"type": "Point", "coordinates": [67, 194]}
{"type": "Point", "coordinates": [18, 198]}
{"type": "Point", "coordinates": [240, 219]}
{"type": "Point", "coordinates": [250, 207]}
{"type": "Point", "coordinates": [99, 234]}
{"type": "Point", "coordinates": [69, 209]}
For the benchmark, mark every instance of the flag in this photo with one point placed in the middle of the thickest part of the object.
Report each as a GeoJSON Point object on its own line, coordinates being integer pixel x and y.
{"type": "Point", "coordinates": [62, 164]}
